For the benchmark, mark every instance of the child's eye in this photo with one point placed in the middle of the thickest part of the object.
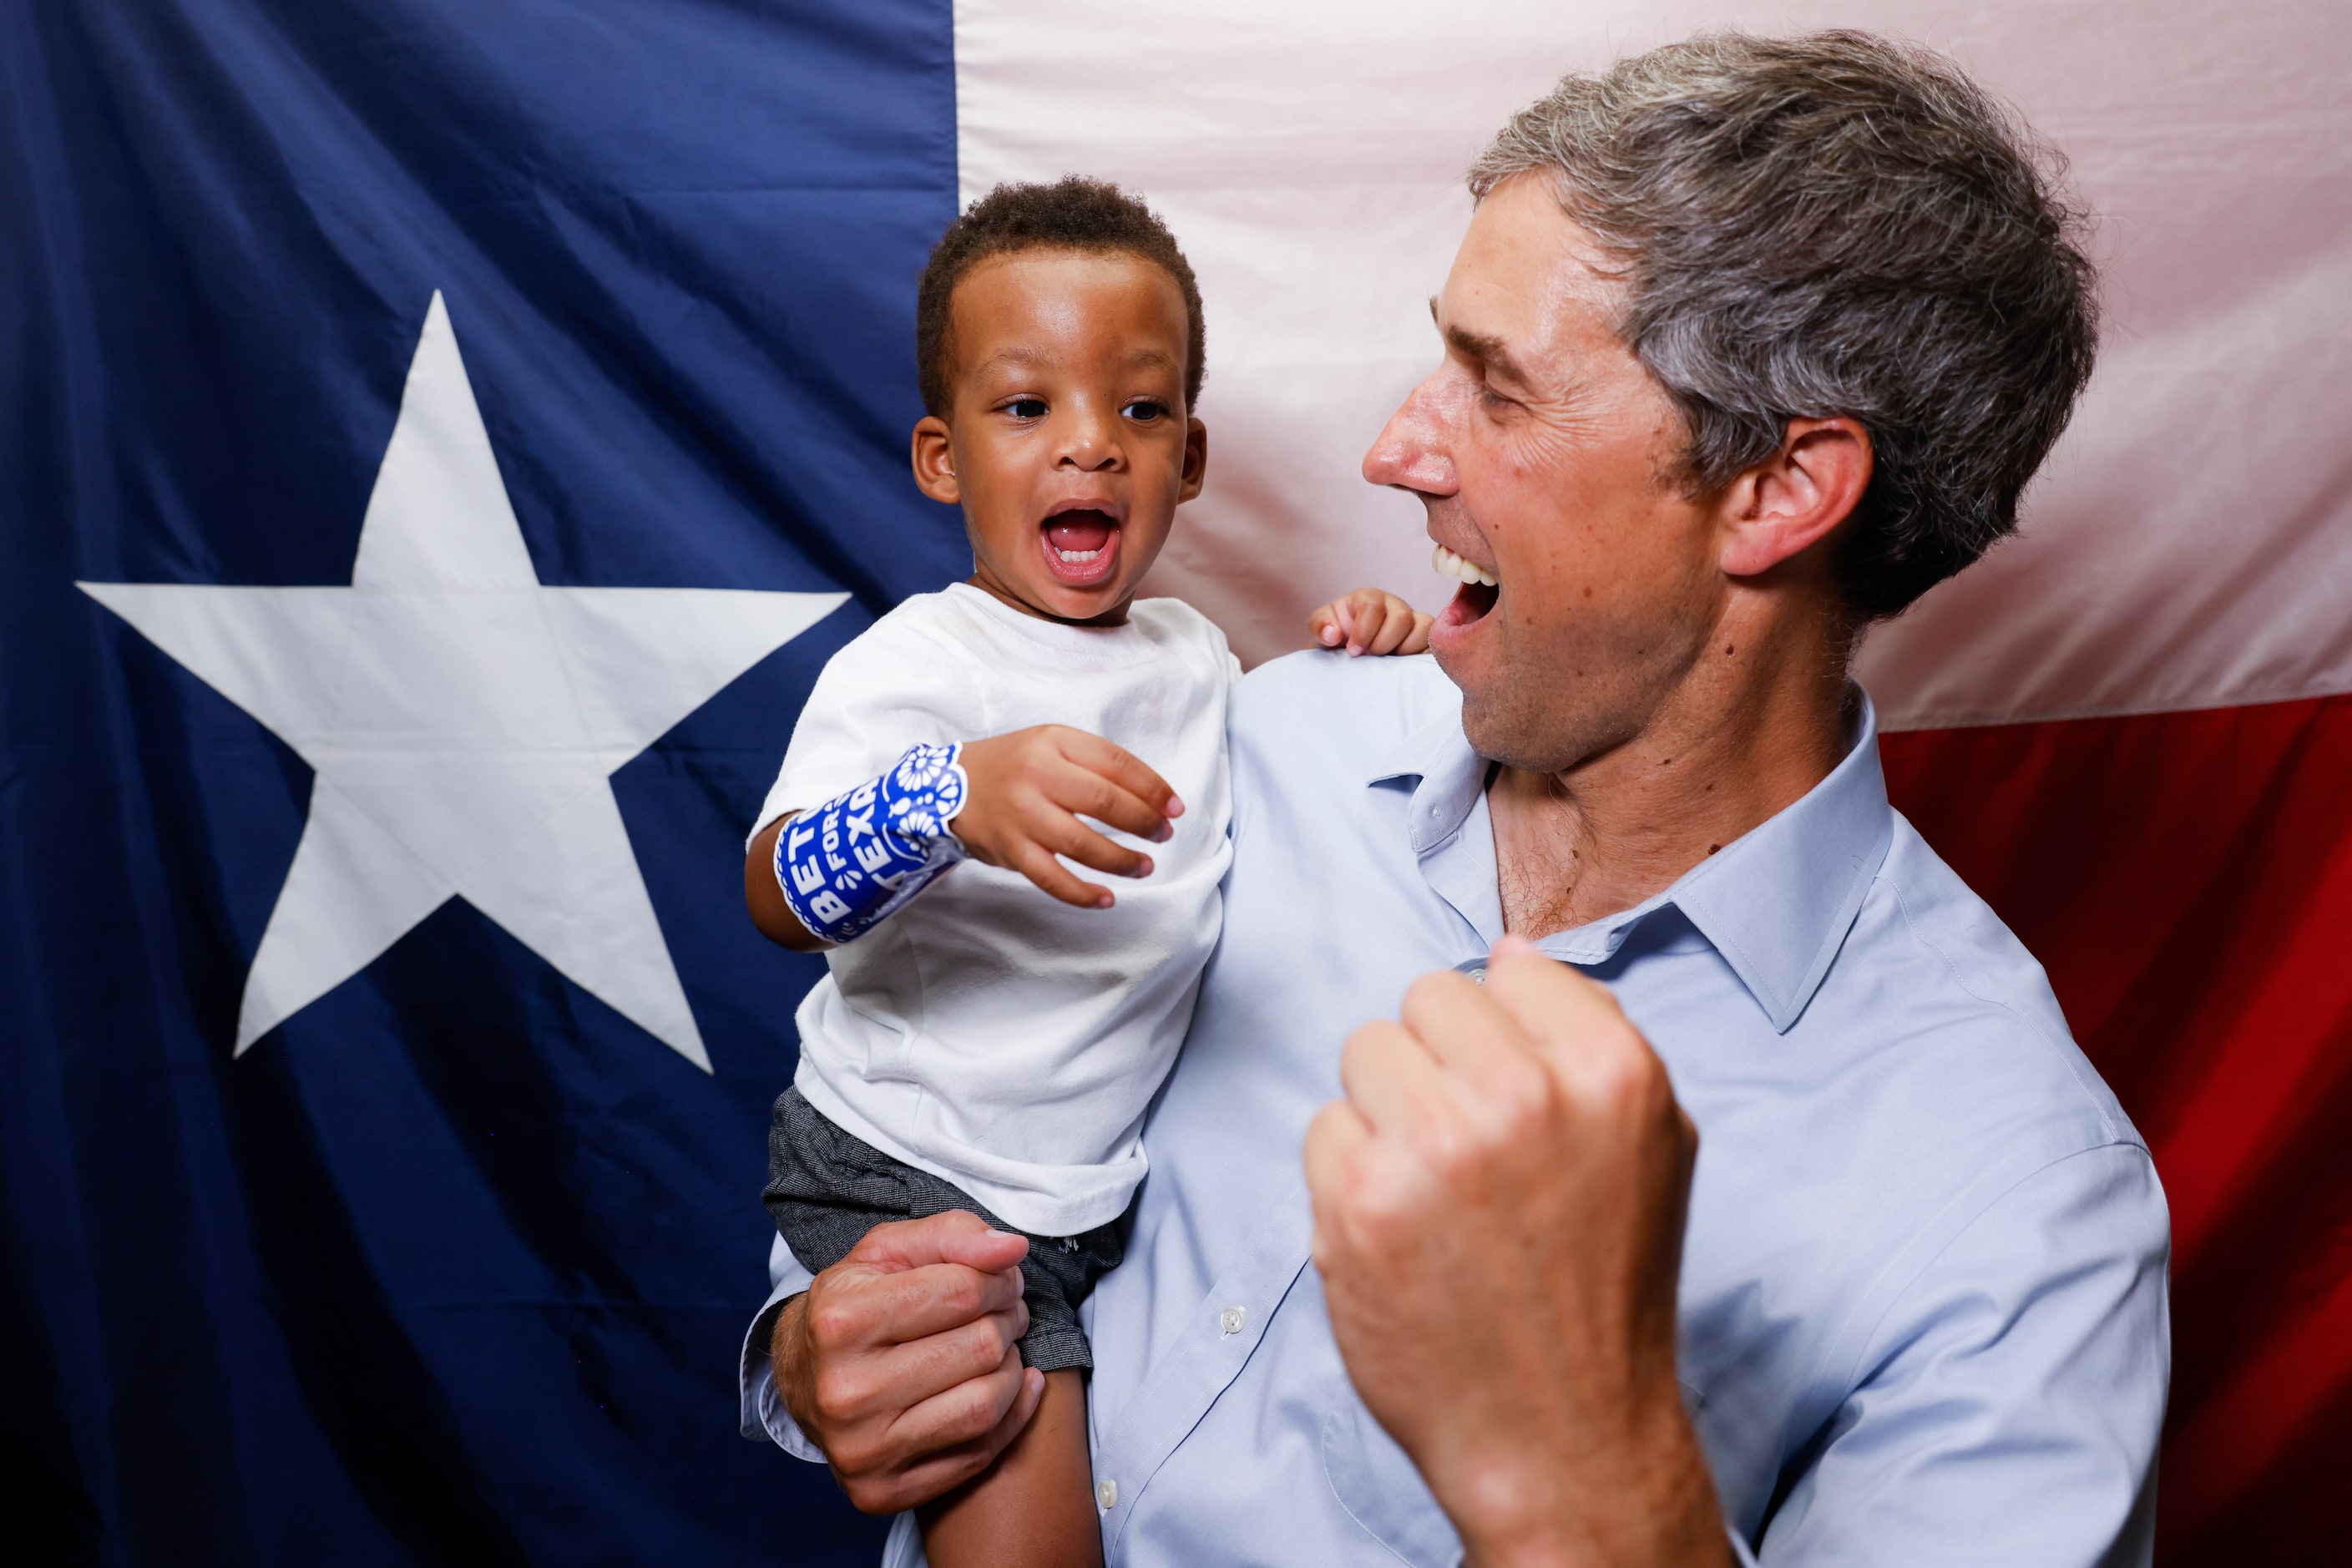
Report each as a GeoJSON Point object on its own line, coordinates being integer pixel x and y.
{"type": "Point", "coordinates": [1144, 409]}
{"type": "Point", "coordinates": [1026, 409]}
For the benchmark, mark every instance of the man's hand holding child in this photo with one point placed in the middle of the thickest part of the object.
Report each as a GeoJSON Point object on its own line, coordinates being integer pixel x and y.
{"type": "Point", "coordinates": [900, 1360]}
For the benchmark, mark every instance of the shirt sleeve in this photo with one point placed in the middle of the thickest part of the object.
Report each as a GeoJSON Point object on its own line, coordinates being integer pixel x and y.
{"type": "Point", "coordinates": [2008, 1404]}
{"type": "Point", "coordinates": [892, 686]}
{"type": "Point", "coordinates": [764, 1418]}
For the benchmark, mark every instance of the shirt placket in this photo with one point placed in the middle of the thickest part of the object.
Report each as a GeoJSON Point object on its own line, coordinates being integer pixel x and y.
{"type": "Point", "coordinates": [1191, 1374]}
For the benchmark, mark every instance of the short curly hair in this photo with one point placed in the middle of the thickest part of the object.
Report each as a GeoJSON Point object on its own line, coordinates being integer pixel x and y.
{"type": "Point", "coordinates": [1071, 213]}
{"type": "Point", "coordinates": [1834, 225]}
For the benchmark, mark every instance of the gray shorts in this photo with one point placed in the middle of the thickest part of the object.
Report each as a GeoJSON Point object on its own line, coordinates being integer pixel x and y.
{"type": "Point", "coordinates": [828, 1189]}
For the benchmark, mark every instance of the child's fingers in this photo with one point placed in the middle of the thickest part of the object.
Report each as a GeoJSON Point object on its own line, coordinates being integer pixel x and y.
{"type": "Point", "coordinates": [1373, 617]}
{"type": "Point", "coordinates": [1396, 625]}
{"type": "Point", "coordinates": [1417, 639]}
{"type": "Point", "coordinates": [1073, 838]}
{"type": "Point", "coordinates": [1037, 862]}
{"type": "Point", "coordinates": [1120, 767]}
{"type": "Point", "coordinates": [1083, 793]}
{"type": "Point", "coordinates": [1335, 623]}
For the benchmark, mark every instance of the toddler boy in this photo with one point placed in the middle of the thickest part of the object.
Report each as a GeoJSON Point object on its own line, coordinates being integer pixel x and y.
{"type": "Point", "coordinates": [982, 1046]}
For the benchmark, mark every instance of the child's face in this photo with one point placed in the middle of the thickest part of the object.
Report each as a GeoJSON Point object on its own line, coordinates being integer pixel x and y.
{"type": "Point", "coordinates": [1068, 446]}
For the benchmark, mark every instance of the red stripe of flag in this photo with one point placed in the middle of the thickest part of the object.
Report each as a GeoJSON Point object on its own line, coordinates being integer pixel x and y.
{"type": "Point", "coordinates": [2187, 880]}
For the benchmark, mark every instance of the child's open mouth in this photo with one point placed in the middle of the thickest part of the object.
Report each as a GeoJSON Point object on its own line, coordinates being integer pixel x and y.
{"type": "Point", "coordinates": [1081, 545]}
{"type": "Point", "coordinates": [1470, 601]}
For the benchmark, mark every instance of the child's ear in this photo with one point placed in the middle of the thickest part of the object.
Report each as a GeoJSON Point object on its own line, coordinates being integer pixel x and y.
{"type": "Point", "coordinates": [932, 454]}
{"type": "Point", "coordinates": [1196, 459]}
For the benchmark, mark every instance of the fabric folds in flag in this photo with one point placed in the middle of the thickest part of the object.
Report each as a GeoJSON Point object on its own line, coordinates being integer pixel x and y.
{"type": "Point", "coordinates": [2125, 727]}
{"type": "Point", "coordinates": [473, 427]}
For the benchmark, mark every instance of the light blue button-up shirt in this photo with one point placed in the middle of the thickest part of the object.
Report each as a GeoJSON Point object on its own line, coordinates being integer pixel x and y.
{"type": "Point", "coordinates": [1923, 1293]}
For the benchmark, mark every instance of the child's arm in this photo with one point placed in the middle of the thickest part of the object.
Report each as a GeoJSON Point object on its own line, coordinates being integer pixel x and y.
{"type": "Point", "coordinates": [1026, 793]}
{"type": "Point", "coordinates": [1034, 1507]}
{"type": "Point", "coordinates": [1371, 620]}
{"type": "Point", "coordinates": [765, 896]}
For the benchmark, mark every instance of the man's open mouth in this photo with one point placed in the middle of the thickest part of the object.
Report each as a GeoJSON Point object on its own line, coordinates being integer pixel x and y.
{"type": "Point", "coordinates": [1476, 596]}
{"type": "Point", "coordinates": [1081, 545]}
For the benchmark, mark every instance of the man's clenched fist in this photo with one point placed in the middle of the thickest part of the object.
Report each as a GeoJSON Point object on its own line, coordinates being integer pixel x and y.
{"type": "Point", "coordinates": [1498, 1220]}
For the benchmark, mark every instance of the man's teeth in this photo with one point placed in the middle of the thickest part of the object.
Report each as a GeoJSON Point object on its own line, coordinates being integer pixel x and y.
{"type": "Point", "coordinates": [1449, 564]}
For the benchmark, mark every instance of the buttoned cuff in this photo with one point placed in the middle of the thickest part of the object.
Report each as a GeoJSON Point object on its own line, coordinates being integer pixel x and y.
{"type": "Point", "coordinates": [762, 1415]}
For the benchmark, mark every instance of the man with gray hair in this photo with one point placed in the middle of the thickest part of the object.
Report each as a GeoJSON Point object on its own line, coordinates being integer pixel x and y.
{"type": "Point", "coordinates": [1728, 1188]}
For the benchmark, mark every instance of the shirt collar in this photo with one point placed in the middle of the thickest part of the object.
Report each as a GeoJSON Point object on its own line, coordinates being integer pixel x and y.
{"type": "Point", "coordinates": [1776, 903]}
{"type": "Point", "coordinates": [1450, 777]}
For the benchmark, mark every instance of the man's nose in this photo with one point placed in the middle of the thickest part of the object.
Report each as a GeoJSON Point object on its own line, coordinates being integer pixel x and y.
{"type": "Point", "coordinates": [1089, 440]}
{"type": "Point", "coordinates": [1410, 452]}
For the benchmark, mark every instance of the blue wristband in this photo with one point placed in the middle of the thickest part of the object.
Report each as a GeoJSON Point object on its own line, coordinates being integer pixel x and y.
{"type": "Point", "coordinates": [854, 860]}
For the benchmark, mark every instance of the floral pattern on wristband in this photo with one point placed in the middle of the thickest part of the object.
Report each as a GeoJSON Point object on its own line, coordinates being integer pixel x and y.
{"type": "Point", "coordinates": [926, 790]}
{"type": "Point", "coordinates": [855, 860]}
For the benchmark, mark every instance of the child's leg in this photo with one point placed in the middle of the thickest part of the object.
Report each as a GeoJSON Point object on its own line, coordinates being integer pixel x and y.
{"type": "Point", "coordinates": [1034, 1507]}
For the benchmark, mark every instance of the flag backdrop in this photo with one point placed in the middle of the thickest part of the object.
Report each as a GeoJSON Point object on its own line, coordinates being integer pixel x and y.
{"type": "Point", "coordinates": [439, 445]}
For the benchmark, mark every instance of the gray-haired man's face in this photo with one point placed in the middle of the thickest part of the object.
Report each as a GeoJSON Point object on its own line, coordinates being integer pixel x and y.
{"type": "Point", "coordinates": [1545, 456]}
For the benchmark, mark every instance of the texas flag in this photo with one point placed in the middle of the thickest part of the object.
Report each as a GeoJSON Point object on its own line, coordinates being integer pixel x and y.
{"type": "Point", "coordinates": [439, 446]}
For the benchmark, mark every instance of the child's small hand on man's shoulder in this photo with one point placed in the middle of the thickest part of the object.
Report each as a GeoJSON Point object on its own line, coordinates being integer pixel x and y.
{"type": "Point", "coordinates": [1028, 789]}
{"type": "Point", "coordinates": [1371, 620]}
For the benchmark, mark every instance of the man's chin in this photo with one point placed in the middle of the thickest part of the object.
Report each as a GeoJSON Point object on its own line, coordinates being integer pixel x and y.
{"type": "Point", "coordinates": [1512, 721]}
{"type": "Point", "coordinates": [1496, 741]}
{"type": "Point", "coordinates": [1488, 730]}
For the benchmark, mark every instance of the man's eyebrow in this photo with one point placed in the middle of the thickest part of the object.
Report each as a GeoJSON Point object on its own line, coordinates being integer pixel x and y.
{"type": "Point", "coordinates": [1487, 351]}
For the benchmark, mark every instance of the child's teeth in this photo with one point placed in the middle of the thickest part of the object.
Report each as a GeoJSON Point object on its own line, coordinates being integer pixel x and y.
{"type": "Point", "coordinates": [1448, 565]}
{"type": "Point", "coordinates": [1078, 554]}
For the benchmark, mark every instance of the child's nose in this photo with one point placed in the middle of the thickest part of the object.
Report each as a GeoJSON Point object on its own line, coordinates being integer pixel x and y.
{"type": "Point", "coordinates": [1091, 443]}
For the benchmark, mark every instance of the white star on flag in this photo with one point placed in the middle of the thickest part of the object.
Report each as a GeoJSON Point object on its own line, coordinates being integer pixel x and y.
{"type": "Point", "coordinates": [462, 721]}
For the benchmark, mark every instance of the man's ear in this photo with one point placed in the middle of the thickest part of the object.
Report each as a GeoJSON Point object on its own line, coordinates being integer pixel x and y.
{"type": "Point", "coordinates": [1196, 460]}
{"type": "Point", "coordinates": [932, 454]}
{"type": "Point", "coordinates": [1791, 500]}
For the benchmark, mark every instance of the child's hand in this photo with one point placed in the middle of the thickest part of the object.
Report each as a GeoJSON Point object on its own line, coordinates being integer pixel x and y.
{"type": "Point", "coordinates": [1371, 620]}
{"type": "Point", "coordinates": [1028, 791]}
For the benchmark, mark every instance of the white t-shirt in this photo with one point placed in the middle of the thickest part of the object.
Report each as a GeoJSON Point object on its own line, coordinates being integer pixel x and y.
{"type": "Point", "coordinates": [988, 1033]}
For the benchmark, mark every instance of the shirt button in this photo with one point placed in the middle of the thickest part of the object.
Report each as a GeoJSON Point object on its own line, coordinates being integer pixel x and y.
{"type": "Point", "coordinates": [1106, 1494]}
{"type": "Point", "coordinates": [1230, 1321]}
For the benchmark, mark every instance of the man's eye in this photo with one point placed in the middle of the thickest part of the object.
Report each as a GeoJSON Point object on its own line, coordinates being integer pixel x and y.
{"type": "Point", "coordinates": [1493, 399]}
{"type": "Point", "coordinates": [1026, 409]}
{"type": "Point", "coordinates": [1144, 409]}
